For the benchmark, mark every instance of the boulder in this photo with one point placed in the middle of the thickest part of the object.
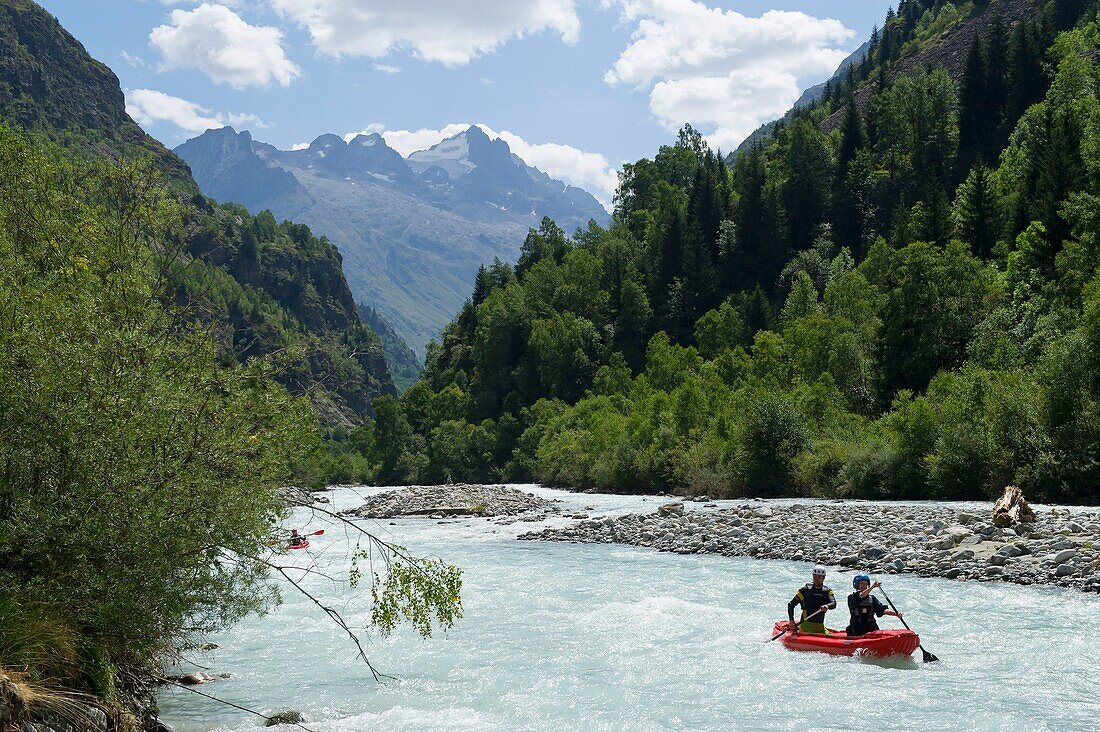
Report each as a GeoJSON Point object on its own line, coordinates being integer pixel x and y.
{"type": "Point", "coordinates": [288, 716]}
{"type": "Point", "coordinates": [671, 509]}
{"type": "Point", "coordinates": [949, 537]}
{"type": "Point", "coordinates": [1063, 556]}
{"type": "Point", "coordinates": [1012, 508]}
{"type": "Point", "coordinates": [194, 679]}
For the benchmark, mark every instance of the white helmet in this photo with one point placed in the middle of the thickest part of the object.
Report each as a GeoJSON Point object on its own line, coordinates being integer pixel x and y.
{"type": "Point", "coordinates": [819, 570]}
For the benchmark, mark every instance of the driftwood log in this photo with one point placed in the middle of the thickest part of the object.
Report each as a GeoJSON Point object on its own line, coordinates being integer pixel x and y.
{"type": "Point", "coordinates": [1011, 508]}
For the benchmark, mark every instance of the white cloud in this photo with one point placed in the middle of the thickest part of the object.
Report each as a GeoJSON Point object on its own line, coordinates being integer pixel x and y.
{"type": "Point", "coordinates": [444, 31]}
{"type": "Point", "coordinates": [387, 69]}
{"type": "Point", "coordinates": [588, 170]}
{"type": "Point", "coordinates": [720, 69]}
{"type": "Point", "coordinates": [215, 40]}
{"type": "Point", "coordinates": [136, 61]}
{"type": "Point", "coordinates": [407, 142]}
{"type": "Point", "coordinates": [148, 106]}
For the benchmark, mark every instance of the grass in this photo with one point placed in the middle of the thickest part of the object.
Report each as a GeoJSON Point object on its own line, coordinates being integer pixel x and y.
{"type": "Point", "coordinates": [36, 643]}
{"type": "Point", "coordinates": [28, 699]}
{"type": "Point", "coordinates": [48, 670]}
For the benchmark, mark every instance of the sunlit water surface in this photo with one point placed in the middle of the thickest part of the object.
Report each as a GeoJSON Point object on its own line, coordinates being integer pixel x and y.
{"type": "Point", "coordinates": [601, 637]}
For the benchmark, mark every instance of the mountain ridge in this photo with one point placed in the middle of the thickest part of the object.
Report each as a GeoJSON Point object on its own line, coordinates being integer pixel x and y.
{"type": "Point", "coordinates": [413, 230]}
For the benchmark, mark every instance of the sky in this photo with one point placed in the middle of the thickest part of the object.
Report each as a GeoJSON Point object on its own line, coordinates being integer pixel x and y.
{"type": "Point", "coordinates": [575, 87]}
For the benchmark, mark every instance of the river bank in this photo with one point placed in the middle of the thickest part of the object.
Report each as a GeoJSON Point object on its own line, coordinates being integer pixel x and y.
{"type": "Point", "coordinates": [1060, 548]}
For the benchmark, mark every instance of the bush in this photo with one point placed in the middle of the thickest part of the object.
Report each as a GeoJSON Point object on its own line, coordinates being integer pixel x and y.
{"type": "Point", "coordinates": [773, 435]}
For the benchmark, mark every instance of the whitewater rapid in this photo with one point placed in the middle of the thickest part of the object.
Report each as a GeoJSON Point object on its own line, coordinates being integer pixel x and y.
{"type": "Point", "coordinates": [604, 637]}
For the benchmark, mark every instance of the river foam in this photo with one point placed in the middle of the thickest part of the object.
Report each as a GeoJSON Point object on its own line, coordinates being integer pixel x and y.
{"type": "Point", "coordinates": [604, 637]}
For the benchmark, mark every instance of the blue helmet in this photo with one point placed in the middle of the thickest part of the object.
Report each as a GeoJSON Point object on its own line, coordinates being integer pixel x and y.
{"type": "Point", "coordinates": [860, 578]}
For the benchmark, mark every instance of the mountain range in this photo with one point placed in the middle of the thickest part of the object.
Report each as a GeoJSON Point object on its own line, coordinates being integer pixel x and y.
{"type": "Point", "coordinates": [412, 230]}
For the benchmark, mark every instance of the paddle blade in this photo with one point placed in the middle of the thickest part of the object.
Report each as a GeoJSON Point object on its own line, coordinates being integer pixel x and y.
{"type": "Point", "coordinates": [776, 637]}
{"type": "Point", "coordinates": [929, 657]}
{"type": "Point", "coordinates": [318, 532]}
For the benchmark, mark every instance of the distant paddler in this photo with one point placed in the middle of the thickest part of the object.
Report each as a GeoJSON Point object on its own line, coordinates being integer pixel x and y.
{"type": "Point", "coordinates": [300, 541]}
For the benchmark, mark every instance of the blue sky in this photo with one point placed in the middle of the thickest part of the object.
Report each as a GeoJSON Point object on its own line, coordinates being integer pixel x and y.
{"type": "Point", "coordinates": [575, 86]}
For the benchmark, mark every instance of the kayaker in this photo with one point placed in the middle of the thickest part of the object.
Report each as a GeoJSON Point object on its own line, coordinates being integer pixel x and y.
{"type": "Point", "coordinates": [814, 597]}
{"type": "Point", "coordinates": [296, 539]}
{"type": "Point", "coordinates": [865, 607]}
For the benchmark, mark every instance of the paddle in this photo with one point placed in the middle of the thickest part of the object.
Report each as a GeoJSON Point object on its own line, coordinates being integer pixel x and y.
{"type": "Point", "coordinates": [788, 630]}
{"type": "Point", "coordinates": [928, 657]}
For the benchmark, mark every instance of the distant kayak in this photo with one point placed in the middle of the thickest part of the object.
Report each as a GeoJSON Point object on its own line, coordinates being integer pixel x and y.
{"type": "Point", "coordinates": [303, 545]}
{"type": "Point", "coordinates": [878, 643]}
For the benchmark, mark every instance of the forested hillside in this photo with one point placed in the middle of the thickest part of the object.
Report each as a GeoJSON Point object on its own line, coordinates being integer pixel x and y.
{"type": "Point", "coordinates": [895, 295]}
{"type": "Point", "coordinates": [266, 287]}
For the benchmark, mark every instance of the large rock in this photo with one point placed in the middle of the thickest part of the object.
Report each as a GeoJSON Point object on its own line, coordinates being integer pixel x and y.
{"type": "Point", "coordinates": [1063, 556]}
{"type": "Point", "coordinates": [1012, 508]}
{"type": "Point", "coordinates": [671, 509]}
{"type": "Point", "coordinates": [289, 716]}
{"type": "Point", "coordinates": [949, 537]}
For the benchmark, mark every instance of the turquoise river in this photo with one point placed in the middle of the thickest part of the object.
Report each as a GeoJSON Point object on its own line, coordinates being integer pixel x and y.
{"type": "Point", "coordinates": [601, 637]}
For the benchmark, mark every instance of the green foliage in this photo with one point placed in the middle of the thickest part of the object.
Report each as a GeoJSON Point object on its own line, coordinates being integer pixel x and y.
{"type": "Point", "coordinates": [421, 592]}
{"type": "Point", "coordinates": [889, 309]}
{"type": "Point", "coordinates": [139, 473]}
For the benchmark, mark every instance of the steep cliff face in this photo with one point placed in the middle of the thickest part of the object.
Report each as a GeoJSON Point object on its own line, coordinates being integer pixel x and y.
{"type": "Point", "coordinates": [49, 83]}
{"type": "Point", "coordinates": [264, 286]}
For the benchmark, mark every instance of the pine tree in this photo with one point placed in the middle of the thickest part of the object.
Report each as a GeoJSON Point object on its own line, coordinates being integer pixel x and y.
{"type": "Point", "coordinates": [670, 257]}
{"type": "Point", "coordinates": [996, 93]}
{"type": "Point", "coordinates": [1067, 12]}
{"type": "Point", "coordinates": [973, 111]}
{"type": "Point", "coordinates": [846, 215]}
{"type": "Point", "coordinates": [975, 212]}
{"type": "Point", "coordinates": [852, 137]}
{"type": "Point", "coordinates": [482, 286]}
{"type": "Point", "coordinates": [807, 192]}
{"type": "Point", "coordinates": [749, 223]}
{"type": "Point", "coordinates": [1025, 72]}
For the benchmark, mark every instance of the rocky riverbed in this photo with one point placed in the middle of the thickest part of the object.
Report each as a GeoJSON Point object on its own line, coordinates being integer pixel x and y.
{"type": "Point", "coordinates": [1059, 548]}
{"type": "Point", "coordinates": [441, 501]}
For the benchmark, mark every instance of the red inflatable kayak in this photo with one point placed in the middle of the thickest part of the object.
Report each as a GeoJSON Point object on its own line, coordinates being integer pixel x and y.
{"type": "Point", "coordinates": [303, 545]}
{"type": "Point", "coordinates": [878, 643]}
